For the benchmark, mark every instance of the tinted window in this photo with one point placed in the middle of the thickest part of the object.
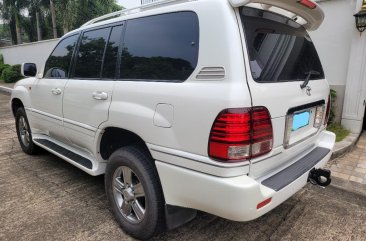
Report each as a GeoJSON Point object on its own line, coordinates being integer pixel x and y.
{"type": "Point", "coordinates": [279, 48]}
{"type": "Point", "coordinates": [58, 64]}
{"type": "Point", "coordinates": [161, 48]}
{"type": "Point", "coordinates": [90, 54]}
{"type": "Point", "coordinates": [111, 53]}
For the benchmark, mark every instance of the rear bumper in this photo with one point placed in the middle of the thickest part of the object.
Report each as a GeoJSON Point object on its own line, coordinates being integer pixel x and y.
{"type": "Point", "coordinates": [234, 198]}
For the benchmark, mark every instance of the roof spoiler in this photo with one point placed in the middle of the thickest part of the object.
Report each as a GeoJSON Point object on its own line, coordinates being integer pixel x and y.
{"type": "Point", "coordinates": [308, 10]}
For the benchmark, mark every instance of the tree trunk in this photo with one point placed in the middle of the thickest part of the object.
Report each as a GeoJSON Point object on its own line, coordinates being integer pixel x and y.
{"type": "Point", "coordinates": [17, 29]}
{"type": "Point", "coordinates": [66, 27]}
{"type": "Point", "coordinates": [66, 23]}
{"type": "Point", "coordinates": [39, 34]}
{"type": "Point", "coordinates": [12, 31]}
{"type": "Point", "coordinates": [53, 15]}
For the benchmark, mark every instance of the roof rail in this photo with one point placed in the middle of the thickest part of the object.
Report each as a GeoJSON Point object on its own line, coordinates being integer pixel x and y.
{"type": "Point", "coordinates": [134, 10]}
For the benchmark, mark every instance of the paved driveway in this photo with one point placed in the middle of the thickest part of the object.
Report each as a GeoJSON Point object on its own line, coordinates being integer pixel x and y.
{"type": "Point", "coordinates": [45, 198]}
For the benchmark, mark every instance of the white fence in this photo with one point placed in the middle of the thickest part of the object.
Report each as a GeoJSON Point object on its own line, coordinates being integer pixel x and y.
{"type": "Point", "coordinates": [36, 52]}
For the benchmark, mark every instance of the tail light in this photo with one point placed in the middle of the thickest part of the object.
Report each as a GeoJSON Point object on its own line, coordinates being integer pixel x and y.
{"type": "Point", "coordinates": [319, 114]}
{"type": "Point", "coordinates": [307, 3]}
{"type": "Point", "coordinates": [327, 113]}
{"type": "Point", "coordinates": [241, 134]}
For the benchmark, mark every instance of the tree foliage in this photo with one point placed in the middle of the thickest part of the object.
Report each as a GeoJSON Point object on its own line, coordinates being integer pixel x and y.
{"type": "Point", "coordinates": [31, 20]}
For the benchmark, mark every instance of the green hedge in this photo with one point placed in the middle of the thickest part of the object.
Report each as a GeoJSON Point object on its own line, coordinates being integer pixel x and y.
{"type": "Point", "coordinates": [17, 68]}
{"type": "Point", "coordinates": [3, 66]}
{"type": "Point", "coordinates": [10, 74]}
{"type": "Point", "coordinates": [1, 59]}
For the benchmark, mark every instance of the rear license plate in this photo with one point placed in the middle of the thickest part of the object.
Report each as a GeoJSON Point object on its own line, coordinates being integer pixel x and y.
{"type": "Point", "coordinates": [300, 120]}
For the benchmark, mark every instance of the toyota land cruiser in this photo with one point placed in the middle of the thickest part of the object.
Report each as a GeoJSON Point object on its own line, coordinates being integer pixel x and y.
{"type": "Point", "coordinates": [212, 105]}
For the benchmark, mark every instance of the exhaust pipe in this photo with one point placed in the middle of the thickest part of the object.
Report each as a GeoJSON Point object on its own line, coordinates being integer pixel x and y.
{"type": "Point", "coordinates": [320, 177]}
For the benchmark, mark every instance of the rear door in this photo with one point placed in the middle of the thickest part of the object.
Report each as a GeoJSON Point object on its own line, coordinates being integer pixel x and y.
{"type": "Point", "coordinates": [281, 57]}
{"type": "Point", "coordinates": [88, 93]}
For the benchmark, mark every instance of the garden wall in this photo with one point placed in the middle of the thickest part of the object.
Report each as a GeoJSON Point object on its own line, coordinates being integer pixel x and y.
{"type": "Point", "coordinates": [36, 52]}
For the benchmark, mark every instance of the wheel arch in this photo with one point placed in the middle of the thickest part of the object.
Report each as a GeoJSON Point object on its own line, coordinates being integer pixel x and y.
{"type": "Point", "coordinates": [20, 98]}
{"type": "Point", "coordinates": [16, 103]}
{"type": "Point", "coordinates": [113, 138]}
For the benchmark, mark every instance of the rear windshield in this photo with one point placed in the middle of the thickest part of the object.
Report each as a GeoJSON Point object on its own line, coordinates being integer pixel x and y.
{"type": "Point", "coordinates": [279, 49]}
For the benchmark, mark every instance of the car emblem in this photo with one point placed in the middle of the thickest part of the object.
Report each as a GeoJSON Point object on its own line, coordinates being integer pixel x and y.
{"type": "Point", "coordinates": [308, 90]}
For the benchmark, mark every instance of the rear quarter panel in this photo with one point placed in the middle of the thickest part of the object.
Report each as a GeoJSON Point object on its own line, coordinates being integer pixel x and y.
{"type": "Point", "coordinates": [196, 103]}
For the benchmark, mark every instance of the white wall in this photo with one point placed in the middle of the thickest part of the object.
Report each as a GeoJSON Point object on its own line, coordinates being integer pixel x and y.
{"type": "Point", "coordinates": [37, 53]}
{"type": "Point", "coordinates": [333, 41]}
{"type": "Point", "coordinates": [334, 38]}
{"type": "Point", "coordinates": [355, 94]}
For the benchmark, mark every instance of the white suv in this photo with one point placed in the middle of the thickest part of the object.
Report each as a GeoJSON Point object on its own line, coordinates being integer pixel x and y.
{"type": "Point", "coordinates": [212, 105]}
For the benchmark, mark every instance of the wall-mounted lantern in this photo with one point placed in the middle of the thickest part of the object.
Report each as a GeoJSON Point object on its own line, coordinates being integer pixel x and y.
{"type": "Point", "coordinates": [361, 18]}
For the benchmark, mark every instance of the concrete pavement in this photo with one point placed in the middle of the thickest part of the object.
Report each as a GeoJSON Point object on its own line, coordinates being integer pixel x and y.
{"type": "Point", "coordinates": [44, 198]}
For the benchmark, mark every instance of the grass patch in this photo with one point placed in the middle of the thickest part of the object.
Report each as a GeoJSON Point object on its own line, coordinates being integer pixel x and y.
{"type": "Point", "coordinates": [338, 129]}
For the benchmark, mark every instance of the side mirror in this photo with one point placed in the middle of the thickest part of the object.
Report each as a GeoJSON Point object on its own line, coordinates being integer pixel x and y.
{"type": "Point", "coordinates": [29, 70]}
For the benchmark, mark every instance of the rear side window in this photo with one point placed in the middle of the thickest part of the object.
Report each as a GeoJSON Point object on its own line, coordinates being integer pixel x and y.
{"type": "Point", "coordinates": [160, 48]}
{"type": "Point", "coordinates": [90, 55]}
{"type": "Point", "coordinates": [58, 64]}
{"type": "Point", "coordinates": [111, 53]}
{"type": "Point", "coordinates": [279, 48]}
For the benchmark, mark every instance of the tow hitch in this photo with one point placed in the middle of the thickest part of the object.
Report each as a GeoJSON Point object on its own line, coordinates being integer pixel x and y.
{"type": "Point", "coordinates": [320, 177]}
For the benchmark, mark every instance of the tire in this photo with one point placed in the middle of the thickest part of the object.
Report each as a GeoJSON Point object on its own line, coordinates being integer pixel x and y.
{"type": "Point", "coordinates": [24, 133]}
{"type": "Point", "coordinates": [140, 216]}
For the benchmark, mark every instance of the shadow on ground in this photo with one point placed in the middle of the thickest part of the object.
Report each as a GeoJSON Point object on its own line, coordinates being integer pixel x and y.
{"type": "Point", "coordinates": [44, 198]}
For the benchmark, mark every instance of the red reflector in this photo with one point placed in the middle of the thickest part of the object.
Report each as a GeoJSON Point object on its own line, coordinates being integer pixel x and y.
{"type": "Point", "coordinates": [240, 134]}
{"type": "Point", "coordinates": [308, 4]}
{"type": "Point", "coordinates": [264, 203]}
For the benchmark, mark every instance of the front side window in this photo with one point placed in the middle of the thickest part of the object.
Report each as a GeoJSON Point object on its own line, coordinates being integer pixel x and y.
{"type": "Point", "coordinates": [59, 62]}
{"type": "Point", "coordinates": [160, 48]}
{"type": "Point", "coordinates": [279, 48]}
{"type": "Point", "coordinates": [90, 55]}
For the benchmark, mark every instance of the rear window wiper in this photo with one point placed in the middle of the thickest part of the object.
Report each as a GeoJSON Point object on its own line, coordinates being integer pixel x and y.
{"type": "Point", "coordinates": [308, 75]}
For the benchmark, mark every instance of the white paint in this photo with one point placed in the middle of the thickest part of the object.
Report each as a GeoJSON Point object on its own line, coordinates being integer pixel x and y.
{"type": "Point", "coordinates": [37, 53]}
{"type": "Point", "coordinates": [189, 177]}
{"type": "Point", "coordinates": [212, 95]}
{"type": "Point", "coordinates": [241, 194]}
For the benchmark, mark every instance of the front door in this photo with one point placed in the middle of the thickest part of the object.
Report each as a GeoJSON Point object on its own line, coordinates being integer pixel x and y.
{"type": "Point", "coordinates": [88, 93]}
{"type": "Point", "coordinates": [47, 92]}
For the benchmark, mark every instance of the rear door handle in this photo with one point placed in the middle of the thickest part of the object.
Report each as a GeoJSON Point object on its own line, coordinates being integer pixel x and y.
{"type": "Point", "coordinates": [99, 95]}
{"type": "Point", "coordinates": [56, 91]}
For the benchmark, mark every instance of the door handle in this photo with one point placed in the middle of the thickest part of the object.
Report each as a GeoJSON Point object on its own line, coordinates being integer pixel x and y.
{"type": "Point", "coordinates": [99, 95]}
{"type": "Point", "coordinates": [56, 91]}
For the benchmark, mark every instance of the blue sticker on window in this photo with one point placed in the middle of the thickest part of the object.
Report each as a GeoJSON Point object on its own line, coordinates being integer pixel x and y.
{"type": "Point", "coordinates": [300, 120]}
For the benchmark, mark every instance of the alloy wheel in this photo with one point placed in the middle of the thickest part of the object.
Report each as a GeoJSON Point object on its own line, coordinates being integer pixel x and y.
{"type": "Point", "coordinates": [129, 194]}
{"type": "Point", "coordinates": [24, 131]}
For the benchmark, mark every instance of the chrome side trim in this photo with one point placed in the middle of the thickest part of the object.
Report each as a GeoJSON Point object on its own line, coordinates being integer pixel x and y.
{"type": "Point", "coordinates": [45, 114]}
{"type": "Point", "coordinates": [84, 126]}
